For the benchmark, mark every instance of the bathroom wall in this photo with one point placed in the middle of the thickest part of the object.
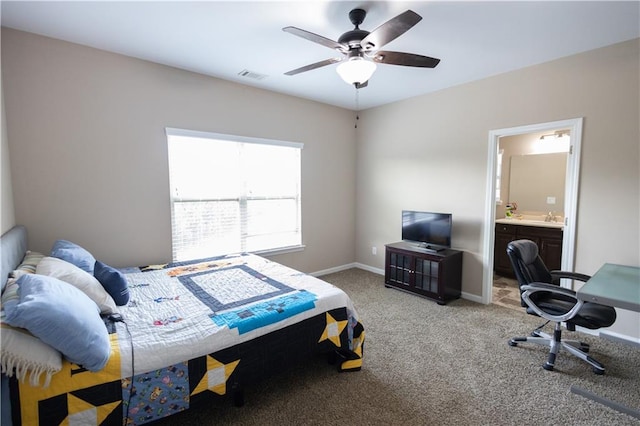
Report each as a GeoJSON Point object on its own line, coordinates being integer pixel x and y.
{"type": "Point", "coordinates": [537, 183]}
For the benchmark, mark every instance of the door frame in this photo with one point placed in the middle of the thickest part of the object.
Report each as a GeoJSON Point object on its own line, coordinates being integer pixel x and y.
{"type": "Point", "coordinates": [571, 195]}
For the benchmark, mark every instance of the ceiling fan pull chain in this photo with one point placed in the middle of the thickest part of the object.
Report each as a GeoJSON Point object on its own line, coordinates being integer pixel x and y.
{"type": "Point", "coordinates": [357, 105]}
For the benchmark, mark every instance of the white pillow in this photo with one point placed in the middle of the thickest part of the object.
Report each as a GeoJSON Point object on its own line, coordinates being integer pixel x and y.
{"type": "Point", "coordinates": [24, 354]}
{"type": "Point", "coordinates": [67, 272]}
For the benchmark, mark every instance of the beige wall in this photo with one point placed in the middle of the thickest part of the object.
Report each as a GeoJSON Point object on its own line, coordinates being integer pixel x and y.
{"type": "Point", "coordinates": [89, 155]}
{"type": "Point", "coordinates": [430, 153]}
{"type": "Point", "coordinates": [7, 214]}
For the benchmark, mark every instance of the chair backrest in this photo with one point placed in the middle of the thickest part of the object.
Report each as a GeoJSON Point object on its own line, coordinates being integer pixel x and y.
{"type": "Point", "coordinates": [526, 263]}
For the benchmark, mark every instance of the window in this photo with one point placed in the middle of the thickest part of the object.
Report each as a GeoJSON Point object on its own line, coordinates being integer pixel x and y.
{"type": "Point", "coordinates": [232, 194]}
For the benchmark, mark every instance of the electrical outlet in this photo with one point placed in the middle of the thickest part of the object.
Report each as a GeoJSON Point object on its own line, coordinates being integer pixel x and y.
{"type": "Point", "coordinates": [374, 250]}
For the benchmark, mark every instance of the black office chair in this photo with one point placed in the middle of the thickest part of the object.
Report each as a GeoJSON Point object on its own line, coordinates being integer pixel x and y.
{"type": "Point", "coordinates": [543, 296]}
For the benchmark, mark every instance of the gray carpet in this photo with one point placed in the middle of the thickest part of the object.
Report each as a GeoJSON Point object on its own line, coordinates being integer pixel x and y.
{"type": "Point", "coordinates": [427, 364]}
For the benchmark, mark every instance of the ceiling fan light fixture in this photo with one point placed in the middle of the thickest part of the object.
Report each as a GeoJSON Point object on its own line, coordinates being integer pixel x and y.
{"type": "Point", "coordinates": [356, 70]}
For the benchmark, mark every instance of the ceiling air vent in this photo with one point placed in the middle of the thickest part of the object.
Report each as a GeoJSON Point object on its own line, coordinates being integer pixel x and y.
{"type": "Point", "coordinates": [252, 75]}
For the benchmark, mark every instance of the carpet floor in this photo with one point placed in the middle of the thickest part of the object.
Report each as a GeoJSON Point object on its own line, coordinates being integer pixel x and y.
{"type": "Point", "coordinates": [426, 364]}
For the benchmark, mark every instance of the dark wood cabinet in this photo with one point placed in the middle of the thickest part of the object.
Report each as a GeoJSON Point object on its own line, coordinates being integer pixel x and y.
{"type": "Point", "coordinates": [436, 275]}
{"type": "Point", "coordinates": [549, 241]}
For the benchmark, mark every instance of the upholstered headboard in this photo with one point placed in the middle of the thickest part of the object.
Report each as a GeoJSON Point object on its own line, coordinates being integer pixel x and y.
{"type": "Point", "coordinates": [13, 245]}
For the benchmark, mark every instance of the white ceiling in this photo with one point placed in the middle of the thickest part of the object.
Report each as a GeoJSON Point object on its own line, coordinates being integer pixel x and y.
{"type": "Point", "coordinates": [473, 39]}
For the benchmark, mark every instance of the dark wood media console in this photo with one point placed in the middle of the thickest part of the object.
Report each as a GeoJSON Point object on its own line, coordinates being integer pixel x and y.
{"type": "Point", "coordinates": [435, 275]}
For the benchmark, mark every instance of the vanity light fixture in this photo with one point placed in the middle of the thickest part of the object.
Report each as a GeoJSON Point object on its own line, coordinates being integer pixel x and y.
{"type": "Point", "coordinates": [555, 135]}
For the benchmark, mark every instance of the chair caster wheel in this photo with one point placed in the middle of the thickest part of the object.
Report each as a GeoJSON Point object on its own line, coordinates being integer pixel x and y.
{"type": "Point", "coordinates": [598, 372]}
{"type": "Point", "coordinates": [547, 367]}
{"type": "Point", "coordinates": [512, 343]}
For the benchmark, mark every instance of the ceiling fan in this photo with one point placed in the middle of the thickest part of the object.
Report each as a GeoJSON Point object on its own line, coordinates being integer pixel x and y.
{"type": "Point", "coordinates": [360, 48]}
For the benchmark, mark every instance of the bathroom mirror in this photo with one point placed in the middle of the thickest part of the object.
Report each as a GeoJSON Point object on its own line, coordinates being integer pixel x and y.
{"type": "Point", "coordinates": [537, 182]}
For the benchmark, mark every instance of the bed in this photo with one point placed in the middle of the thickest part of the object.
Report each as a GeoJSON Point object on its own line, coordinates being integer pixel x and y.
{"type": "Point", "coordinates": [189, 332]}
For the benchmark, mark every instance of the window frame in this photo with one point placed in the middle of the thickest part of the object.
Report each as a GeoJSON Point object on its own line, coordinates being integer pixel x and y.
{"type": "Point", "coordinates": [170, 131]}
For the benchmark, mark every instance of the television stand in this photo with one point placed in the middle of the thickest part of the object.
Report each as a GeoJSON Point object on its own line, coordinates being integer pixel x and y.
{"type": "Point", "coordinates": [422, 270]}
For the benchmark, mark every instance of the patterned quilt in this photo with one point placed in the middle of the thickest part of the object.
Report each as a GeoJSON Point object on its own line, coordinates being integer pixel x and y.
{"type": "Point", "coordinates": [198, 329]}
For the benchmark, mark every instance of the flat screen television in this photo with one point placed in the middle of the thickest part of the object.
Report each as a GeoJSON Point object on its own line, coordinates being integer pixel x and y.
{"type": "Point", "coordinates": [430, 230]}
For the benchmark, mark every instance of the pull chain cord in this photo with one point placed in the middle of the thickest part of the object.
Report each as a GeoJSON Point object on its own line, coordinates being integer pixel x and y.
{"type": "Point", "coordinates": [357, 104]}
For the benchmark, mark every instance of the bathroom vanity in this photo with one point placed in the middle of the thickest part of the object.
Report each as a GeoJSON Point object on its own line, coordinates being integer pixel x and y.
{"type": "Point", "coordinates": [547, 235]}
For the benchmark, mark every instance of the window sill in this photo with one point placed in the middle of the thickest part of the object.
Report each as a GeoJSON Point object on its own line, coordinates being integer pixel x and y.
{"type": "Point", "coordinates": [281, 250]}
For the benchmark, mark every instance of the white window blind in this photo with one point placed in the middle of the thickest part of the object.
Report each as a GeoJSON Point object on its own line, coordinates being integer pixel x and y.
{"type": "Point", "coordinates": [232, 194]}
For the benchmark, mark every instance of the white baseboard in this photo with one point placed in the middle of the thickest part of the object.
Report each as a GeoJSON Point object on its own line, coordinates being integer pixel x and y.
{"type": "Point", "coordinates": [348, 266]}
{"type": "Point", "coordinates": [471, 297]}
{"type": "Point", "coordinates": [370, 268]}
{"type": "Point", "coordinates": [333, 270]}
{"type": "Point", "coordinates": [611, 335]}
{"type": "Point", "coordinates": [623, 338]}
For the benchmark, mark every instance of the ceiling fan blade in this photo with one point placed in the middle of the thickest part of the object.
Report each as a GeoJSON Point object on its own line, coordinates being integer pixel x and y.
{"type": "Point", "coordinates": [314, 66]}
{"type": "Point", "coordinates": [406, 59]}
{"type": "Point", "coordinates": [390, 30]}
{"type": "Point", "coordinates": [316, 38]}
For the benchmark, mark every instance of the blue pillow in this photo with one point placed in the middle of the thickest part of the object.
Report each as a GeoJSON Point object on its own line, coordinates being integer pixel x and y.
{"type": "Point", "coordinates": [113, 281]}
{"type": "Point", "coordinates": [74, 254]}
{"type": "Point", "coordinates": [63, 317]}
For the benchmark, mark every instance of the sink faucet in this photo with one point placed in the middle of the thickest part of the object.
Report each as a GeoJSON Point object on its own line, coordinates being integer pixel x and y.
{"type": "Point", "coordinates": [550, 217]}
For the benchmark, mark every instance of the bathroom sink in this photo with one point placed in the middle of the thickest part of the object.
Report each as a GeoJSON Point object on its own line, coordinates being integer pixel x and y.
{"type": "Point", "coordinates": [531, 222]}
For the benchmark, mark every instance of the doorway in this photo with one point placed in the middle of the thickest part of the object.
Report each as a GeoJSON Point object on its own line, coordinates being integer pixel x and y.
{"type": "Point", "coordinates": [570, 195]}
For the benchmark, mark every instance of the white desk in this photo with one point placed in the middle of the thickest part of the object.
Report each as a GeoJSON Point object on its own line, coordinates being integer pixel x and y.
{"type": "Point", "coordinates": [617, 286]}
{"type": "Point", "coordinates": [614, 285]}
